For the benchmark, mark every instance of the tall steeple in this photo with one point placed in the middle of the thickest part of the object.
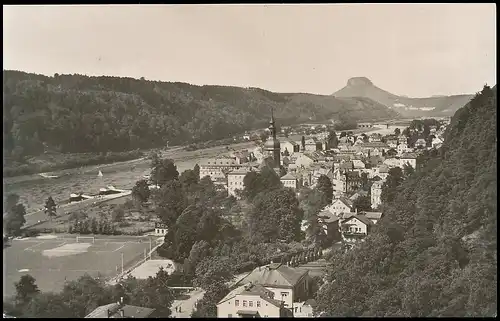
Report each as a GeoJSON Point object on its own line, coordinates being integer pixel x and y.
{"type": "Point", "coordinates": [271, 127]}
{"type": "Point", "coordinates": [272, 145]}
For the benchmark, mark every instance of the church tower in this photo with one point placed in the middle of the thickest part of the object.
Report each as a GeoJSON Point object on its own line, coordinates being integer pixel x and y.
{"type": "Point", "coordinates": [272, 145]}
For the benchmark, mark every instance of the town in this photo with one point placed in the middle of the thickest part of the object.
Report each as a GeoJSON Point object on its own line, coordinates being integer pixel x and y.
{"type": "Point", "coordinates": [250, 161]}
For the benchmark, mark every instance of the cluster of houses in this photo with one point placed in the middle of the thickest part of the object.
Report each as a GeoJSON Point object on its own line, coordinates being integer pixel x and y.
{"type": "Point", "coordinates": [357, 165]}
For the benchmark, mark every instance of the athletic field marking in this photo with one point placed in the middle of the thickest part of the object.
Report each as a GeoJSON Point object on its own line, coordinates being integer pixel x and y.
{"type": "Point", "coordinates": [31, 247]}
{"type": "Point", "coordinates": [121, 247]}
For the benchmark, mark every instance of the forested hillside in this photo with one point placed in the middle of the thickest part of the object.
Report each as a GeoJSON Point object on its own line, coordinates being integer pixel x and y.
{"type": "Point", "coordinates": [75, 113]}
{"type": "Point", "coordinates": [435, 251]}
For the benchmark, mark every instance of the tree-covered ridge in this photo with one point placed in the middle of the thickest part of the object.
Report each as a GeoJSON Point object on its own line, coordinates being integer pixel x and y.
{"type": "Point", "coordinates": [434, 251]}
{"type": "Point", "coordinates": [76, 113]}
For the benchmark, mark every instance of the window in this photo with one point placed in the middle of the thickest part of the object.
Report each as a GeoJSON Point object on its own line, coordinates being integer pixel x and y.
{"type": "Point", "coordinates": [237, 303]}
{"type": "Point", "coordinates": [244, 303]}
{"type": "Point", "coordinates": [258, 304]}
{"type": "Point", "coordinates": [250, 303]}
{"type": "Point", "coordinates": [295, 309]}
{"type": "Point", "coordinates": [284, 294]}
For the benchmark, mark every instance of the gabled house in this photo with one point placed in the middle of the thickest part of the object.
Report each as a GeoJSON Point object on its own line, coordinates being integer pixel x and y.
{"type": "Point", "coordinates": [310, 145]}
{"type": "Point", "coordinates": [392, 142]}
{"type": "Point", "coordinates": [420, 143]}
{"type": "Point", "coordinates": [372, 216]}
{"type": "Point", "coordinates": [355, 228]}
{"type": "Point", "coordinates": [408, 159]}
{"type": "Point", "coordinates": [287, 283]}
{"type": "Point", "coordinates": [304, 160]}
{"type": "Point", "coordinates": [251, 300]}
{"type": "Point", "coordinates": [358, 194]}
{"type": "Point", "coordinates": [340, 205]}
{"type": "Point", "coordinates": [290, 147]}
{"type": "Point", "coordinates": [290, 181]}
{"type": "Point", "coordinates": [436, 142]}
{"type": "Point", "coordinates": [304, 309]}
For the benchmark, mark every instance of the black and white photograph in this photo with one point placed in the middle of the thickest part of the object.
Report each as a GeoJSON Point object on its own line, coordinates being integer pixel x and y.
{"type": "Point", "coordinates": [249, 160]}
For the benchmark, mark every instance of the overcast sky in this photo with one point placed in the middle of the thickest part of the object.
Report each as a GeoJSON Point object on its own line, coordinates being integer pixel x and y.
{"type": "Point", "coordinates": [410, 49]}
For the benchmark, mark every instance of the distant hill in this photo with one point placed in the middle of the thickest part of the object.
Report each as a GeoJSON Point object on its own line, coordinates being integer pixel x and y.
{"type": "Point", "coordinates": [76, 113]}
{"type": "Point", "coordinates": [408, 107]}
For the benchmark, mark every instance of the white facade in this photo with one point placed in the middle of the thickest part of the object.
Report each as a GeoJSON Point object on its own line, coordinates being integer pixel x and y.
{"type": "Point", "coordinates": [247, 302]}
{"type": "Point", "coordinates": [291, 183]}
{"type": "Point", "coordinates": [303, 160]}
{"type": "Point", "coordinates": [337, 207]}
{"type": "Point", "coordinates": [408, 161]}
{"type": "Point", "coordinates": [235, 182]}
{"type": "Point", "coordinates": [286, 145]}
{"type": "Point", "coordinates": [376, 192]}
{"type": "Point", "coordinates": [302, 310]}
{"type": "Point", "coordinates": [403, 148]}
{"type": "Point", "coordinates": [356, 226]}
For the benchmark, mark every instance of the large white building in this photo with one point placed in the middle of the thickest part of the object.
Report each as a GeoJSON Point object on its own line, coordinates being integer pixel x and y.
{"type": "Point", "coordinates": [235, 180]}
{"type": "Point", "coordinates": [376, 192]}
{"type": "Point", "coordinates": [251, 300]}
{"type": "Point", "coordinates": [289, 181]}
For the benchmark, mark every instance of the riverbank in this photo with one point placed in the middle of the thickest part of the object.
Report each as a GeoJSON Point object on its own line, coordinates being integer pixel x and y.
{"type": "Point", "coordinates": [52, 162]}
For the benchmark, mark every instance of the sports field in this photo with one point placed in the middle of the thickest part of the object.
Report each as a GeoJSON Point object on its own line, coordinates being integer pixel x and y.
{"type": "Point", "coordinates": [52, 259]}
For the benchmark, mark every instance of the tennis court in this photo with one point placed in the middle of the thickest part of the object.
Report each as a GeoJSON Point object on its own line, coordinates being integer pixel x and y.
{"type": "Point", "coordinates": [52, 259]}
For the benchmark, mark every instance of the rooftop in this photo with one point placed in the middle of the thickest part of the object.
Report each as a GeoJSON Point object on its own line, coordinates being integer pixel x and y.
{"type": "Point", "coordinates": [275, 275]}
{"type": "Point", "coordinates": [288, 176]}
{"type": "Point", "coordinates": [129, 311]}
{"type": "Point", "coordinates": [252, 289]}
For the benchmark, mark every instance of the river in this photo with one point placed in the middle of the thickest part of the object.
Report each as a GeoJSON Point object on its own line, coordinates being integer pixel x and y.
{"type": "Point", "coordinates": [33, 190]}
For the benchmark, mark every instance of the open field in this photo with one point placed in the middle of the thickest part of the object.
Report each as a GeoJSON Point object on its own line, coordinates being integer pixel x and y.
{"type": "Point", "coordinates": [52, 260]}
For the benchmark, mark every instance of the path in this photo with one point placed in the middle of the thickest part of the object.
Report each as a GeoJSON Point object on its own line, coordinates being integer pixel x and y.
{"type": "Point", "coordinates": [186, 306]}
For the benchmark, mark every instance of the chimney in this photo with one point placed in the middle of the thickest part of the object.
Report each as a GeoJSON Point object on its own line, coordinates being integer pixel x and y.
{"type": "Point", "coordinates": [122, 313]}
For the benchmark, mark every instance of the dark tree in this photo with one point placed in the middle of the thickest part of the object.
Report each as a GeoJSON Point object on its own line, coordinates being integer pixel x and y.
{"type": "Point", "coordinates": [14, 220]}
{"type": "Point", "coordinates": [196, 170]}
{"type": "Point", "coordinates": [397, 131]}
{"type": "Point", "coordinates": [362, 203]}
{"type": "Point", "coordinates": [50, 208]}
{"type": "Point", "coordinates": [141, 191]}
{"type": "Point", "coordinates": [26, 289]}
{"type": "Point", "coordinates": [390, 186]}
{"type": "Point", "coordinates": [170, 201]}
{"type": "Point", "coordinates": [164, 172]}
{"type": "Point", "coordinates": [324, 185]}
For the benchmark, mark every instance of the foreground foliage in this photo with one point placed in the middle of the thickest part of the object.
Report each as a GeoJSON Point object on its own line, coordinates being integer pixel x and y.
{"type": "Point", "coordinates": [434, 251]}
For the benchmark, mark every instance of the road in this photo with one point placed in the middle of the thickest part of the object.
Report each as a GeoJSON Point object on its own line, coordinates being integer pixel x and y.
{"type": "Point", "coordinates": [184, 308]}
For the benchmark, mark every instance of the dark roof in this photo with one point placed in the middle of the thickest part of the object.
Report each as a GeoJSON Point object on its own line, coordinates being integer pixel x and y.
{"type": "Point", "coordinates": [361, 218]}
{"type": "Point", "coordinates": [247, 312]}
{"type": "Point", "coordinates": [252, 289]}
{"type": "Point", "coordinates": [311, 302]}
{"type": "Point", "coordinates": [129, 311]}
{"type": "Point", "coordinates": [275, 275]}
